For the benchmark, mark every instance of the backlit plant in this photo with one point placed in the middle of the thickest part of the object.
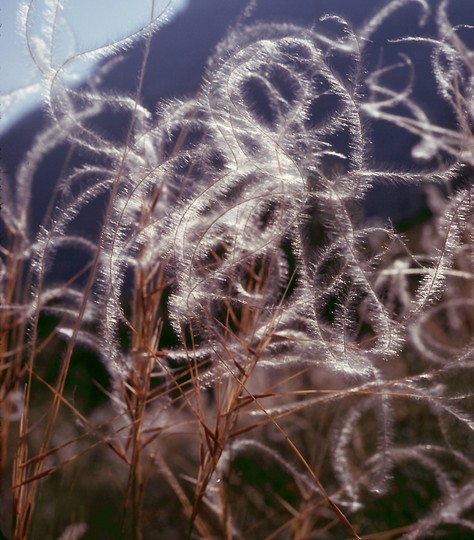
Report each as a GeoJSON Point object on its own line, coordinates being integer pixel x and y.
{"type": "Point", "coordinates": [289, 369]}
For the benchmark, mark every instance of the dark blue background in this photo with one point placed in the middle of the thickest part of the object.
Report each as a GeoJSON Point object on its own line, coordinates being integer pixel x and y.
{"type": "Point", "coordinates": [177, 62]}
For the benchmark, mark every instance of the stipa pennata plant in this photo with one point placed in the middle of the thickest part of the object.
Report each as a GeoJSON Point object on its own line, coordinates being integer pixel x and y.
{"type": "Point", "coordinates": [307, 365]}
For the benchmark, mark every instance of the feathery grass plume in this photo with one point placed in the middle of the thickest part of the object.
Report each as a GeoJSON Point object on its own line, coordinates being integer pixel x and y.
{"type": "Point", "coordinates": [269, 352]}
